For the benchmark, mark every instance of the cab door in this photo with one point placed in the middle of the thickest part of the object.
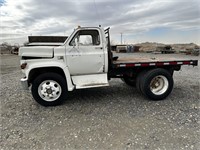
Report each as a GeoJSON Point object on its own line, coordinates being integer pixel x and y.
{"type": "Point", "coordinates": [85, 55]}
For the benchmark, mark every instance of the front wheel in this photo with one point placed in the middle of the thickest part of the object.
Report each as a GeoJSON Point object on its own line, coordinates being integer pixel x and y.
{"type": "Point", "coordinates": [49, 89]}
{"type": "Point", "coordinates": [157, 84]}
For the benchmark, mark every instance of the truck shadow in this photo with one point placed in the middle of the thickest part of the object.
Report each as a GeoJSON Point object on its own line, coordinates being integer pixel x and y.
{"type": "Point", "coordinates": [114, 93]}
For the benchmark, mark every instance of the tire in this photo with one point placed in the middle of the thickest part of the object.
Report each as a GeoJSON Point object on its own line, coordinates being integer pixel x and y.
{"type": "Point", "coordinates": [157, 84]}
{"type": "Point", "coordinates": [49, 89]}
{"type": "Point", "coordinates": [129, 81]}
{"type": "Point", "coordinates": [139, 78]}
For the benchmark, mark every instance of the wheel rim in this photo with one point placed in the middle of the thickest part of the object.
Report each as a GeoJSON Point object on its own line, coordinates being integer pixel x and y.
{"type": "Point", "coordinates": [49, 90]}
{"type": "Point", "coordinates": [159, 85]}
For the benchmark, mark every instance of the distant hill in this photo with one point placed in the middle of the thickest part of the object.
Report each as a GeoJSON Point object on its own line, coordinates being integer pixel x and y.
{"type": "Point", "coordinates": [148, 46]}
{"type": "Point", "coordinates": [190, 46]}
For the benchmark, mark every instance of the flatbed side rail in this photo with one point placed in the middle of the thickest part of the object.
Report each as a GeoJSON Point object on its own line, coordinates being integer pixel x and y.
{"type": "Point", "coordinates": [158, 63]}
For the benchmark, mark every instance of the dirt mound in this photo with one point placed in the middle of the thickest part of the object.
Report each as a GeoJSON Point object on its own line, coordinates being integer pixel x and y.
{"type": "Point", "coordinates": [150, 47]}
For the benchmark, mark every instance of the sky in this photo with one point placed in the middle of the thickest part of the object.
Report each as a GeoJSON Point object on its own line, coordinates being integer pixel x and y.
{"type": "Point", "coordinates": [163, 21]}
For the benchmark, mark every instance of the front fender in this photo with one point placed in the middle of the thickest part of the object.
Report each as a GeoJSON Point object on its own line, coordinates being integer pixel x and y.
{"type": "Point", "coordinates": [48, 64]}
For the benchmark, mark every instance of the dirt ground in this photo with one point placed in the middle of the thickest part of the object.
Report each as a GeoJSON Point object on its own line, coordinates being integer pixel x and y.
{"type": "Point", "coordinates": [114, 117]}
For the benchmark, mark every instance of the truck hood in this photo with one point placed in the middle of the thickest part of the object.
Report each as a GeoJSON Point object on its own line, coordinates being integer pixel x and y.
{"type": "Point", "coordinates": [37, 51]}
{"type": "Point", "coordinates": [45, 44]}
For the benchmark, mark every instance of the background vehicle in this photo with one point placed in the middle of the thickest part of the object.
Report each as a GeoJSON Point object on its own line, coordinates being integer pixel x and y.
{"type": "Point", "coordinates": [85, 60]}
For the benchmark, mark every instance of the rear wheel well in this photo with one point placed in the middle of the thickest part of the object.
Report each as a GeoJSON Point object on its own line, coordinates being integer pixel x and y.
{"type": "Point", "coordinates": [134, 73]}
{"type": "Point", "coordinates": [170, 69]}
{"type": "Point", "coordinates": [37, 71]}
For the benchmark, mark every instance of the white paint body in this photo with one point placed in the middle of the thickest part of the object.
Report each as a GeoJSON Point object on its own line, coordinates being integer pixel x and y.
{"type": "Point", "coordinates": [83, 66]}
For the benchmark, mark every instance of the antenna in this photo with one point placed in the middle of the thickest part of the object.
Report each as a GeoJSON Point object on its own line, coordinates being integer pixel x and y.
{"type": "Point", "coordinates": [97, 13]}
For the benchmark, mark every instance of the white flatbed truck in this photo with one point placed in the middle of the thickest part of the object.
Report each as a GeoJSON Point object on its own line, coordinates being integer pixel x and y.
{"type": "Point", "coordinates": [85, 60]}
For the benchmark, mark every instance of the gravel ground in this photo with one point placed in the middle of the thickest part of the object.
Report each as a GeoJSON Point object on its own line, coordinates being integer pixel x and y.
{"type": "Point", "coordinates": [115, 117]}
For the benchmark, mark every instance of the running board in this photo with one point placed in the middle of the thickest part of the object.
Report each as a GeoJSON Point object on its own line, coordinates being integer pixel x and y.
{"type": "Point", "coordinates": [90, 81]}
{"type": "Point", "coordinates": [91, 86]}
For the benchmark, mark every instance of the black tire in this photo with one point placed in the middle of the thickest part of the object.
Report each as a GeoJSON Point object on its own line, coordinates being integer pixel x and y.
{"type": "Point", "coordinates": [154, 79]}
{"type": "Point", "coordinates": [57, 83]}
{"type": "Point", "coordinates": [129, 81]}
{"type": "Point", "coordinates": [139, 77]}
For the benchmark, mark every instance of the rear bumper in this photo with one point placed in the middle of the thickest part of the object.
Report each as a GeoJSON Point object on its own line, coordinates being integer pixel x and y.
{"type": "Point", "coordinates": [24, 83]}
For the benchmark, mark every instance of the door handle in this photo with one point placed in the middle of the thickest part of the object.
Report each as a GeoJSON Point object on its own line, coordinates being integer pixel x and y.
{"type": "Point", "coordinates": [98, 47]}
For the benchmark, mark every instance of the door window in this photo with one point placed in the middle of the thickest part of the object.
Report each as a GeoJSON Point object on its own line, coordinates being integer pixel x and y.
{"type": "Point", "coordinates": [86, 38]}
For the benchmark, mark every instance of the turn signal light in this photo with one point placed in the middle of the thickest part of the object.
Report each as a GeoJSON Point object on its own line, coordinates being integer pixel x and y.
{"type": "Point", "coordinates": [23, 66]}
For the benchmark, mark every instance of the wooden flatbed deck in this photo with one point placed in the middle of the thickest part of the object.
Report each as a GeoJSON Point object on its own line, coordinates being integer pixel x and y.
{"type": "Point", "coordinates": [145, 59]}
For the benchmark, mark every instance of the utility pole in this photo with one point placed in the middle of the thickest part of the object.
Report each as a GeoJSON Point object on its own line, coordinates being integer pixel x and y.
{"type": "Point", "coordinates": [121, 37]}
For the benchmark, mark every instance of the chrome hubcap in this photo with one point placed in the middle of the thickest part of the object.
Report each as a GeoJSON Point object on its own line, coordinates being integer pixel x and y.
{"type": "Point", "coordinates": [49, 90]}
{"type": "Point", "coordinates": [159, 85]}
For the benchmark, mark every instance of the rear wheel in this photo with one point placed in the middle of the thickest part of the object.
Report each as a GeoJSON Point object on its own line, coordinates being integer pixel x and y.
{"type": "Point", "coordinates": [157, 84]}
{"type": "Point", "coordinates": [49, 89]}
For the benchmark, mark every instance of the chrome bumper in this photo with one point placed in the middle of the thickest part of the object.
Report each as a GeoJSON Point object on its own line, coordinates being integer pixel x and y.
{"type": "Point", "coordinates": [24, 83]}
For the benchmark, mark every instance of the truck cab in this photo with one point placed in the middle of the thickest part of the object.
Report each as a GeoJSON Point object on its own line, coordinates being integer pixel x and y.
{"type": "Point", "coordinates": [85, 60]}
{"type": "Point", "coordinates": [87, 57]}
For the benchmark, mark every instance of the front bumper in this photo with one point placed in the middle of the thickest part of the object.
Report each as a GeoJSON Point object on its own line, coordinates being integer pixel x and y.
{"type": "Point", "coordinates": [24, 83]}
